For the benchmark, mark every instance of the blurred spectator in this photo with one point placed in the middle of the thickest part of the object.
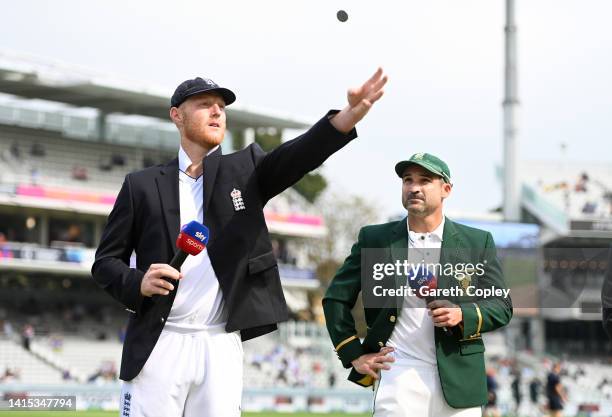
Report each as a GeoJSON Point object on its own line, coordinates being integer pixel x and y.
{"type": "Point", "coordinates": [72, 234]}
{"type": "Point", "coordinates": [7, 329]}
{"type": "Point", "coordinates": [105, 165]}
{"type": "Point", "coordinates": [118, 160]}
{"type": "Point", "coordinates": [490, 409]}
{"type": "Point", "coordinates": [534, 396]}
{"type": "Point", "coordinates": [34, 176]}
{"type": "Point", "coordinates": [581, 184]}
{"type": "Point", "coordinates": [79, 173]}
{"type": "Point", "coordinates": [107, 372]}
{"type": "Point", "coordinates": [516, 391]}
{"type": "Point", "coordinates": [14, 149]}
{"type": "Point", "coordinates": [56, 342]}
{"type": "Point", "coordinates": [331, 379]}
{"type": "Point", "coordinates": [37, 149]}
{"type": "Point", "coordinates": [589, 207]}
{"type": "Point", "coordinates": [26, 336]}
{"type": "Point", "coordinates": [10, 375]}
{"type": "Point", "coordinates": [555, 392]}
{"type": "Point", "coordinates": [606, 297]}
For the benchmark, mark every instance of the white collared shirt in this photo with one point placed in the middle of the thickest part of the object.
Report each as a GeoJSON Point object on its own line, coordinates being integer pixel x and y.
{"type": "Point", "coordinates": [199, 301]}
{"type": "Point", "coordinates": [413, 334]}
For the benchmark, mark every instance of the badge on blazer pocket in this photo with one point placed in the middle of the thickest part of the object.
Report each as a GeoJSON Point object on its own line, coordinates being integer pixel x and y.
{"type": "Point", "coordinates": [261, 263]}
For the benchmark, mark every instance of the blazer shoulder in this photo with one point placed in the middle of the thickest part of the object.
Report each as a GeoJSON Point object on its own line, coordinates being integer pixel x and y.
{"type": "Point", "coordinates": [381, 229]}
{"type": "Point", "coordinates": [472, 232]}
{"type": "Point", "coordinates": [145, 172]}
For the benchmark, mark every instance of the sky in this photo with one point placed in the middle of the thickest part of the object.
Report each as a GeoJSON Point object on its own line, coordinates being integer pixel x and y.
{"type": "Point", "coordinates": [444, 59]}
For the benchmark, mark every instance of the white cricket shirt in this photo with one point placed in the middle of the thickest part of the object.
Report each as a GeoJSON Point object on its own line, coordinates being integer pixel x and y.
{"type": "Point", "coordinates": [199, 301]}
{"type": "Point", "coordinates": [413, 335]}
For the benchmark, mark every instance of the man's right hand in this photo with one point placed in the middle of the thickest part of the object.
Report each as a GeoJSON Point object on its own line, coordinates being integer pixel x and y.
{"type": "Point", "coordinates": [154, 283]}
{"type": "Point", "coordinates": [371, 363]}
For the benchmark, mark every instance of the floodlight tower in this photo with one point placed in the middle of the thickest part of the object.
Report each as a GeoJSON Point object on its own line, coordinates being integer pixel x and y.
{"type": "Point", "coordinates": [511, 208]}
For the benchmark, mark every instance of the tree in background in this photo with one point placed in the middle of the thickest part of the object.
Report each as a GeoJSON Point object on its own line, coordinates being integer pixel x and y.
{"type": "Point", "coordinates": [344, 215]}
{"type": "Point", "coordinates": [311, 185]}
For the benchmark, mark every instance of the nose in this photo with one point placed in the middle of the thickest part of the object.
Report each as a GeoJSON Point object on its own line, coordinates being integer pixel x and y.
{"type": "Point", "coordinates": [215, 109]}
{"type": "Point", "coordinates": [413, 189]}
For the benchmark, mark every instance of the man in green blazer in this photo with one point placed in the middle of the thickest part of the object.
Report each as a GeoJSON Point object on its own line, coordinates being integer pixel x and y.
{"type": "Point", "coordinates": [423, 351]}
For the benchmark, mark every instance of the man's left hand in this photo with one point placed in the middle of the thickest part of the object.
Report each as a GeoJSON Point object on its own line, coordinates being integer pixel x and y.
{"type": "Point", "coordinates": [360, 100]}
{"type": "Point", "coordinates": [444, 313]}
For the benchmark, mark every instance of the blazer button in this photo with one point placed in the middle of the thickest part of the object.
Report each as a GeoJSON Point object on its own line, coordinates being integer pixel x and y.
{"type": "Point", "coordinates": [161, 319]}
{"type": "Point", "coordinates": [392, 319]}
{"type": "Point", "coordinates": [381, 344]}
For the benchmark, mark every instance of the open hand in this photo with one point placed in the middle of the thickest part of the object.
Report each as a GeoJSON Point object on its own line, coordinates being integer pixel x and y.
{"type": "Point", "coordinates": [371, 363]}
{"type": "Point", "coordinates": [360, 100]}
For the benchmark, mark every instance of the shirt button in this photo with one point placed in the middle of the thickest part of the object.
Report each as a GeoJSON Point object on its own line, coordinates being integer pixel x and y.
{"type": "Point", "coordinates": [422, 237]}
{"type": "Point", "coordinates": [392, 319]}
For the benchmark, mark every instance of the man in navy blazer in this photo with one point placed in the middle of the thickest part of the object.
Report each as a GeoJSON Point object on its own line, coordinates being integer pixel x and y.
{"type": "Point", "coordinates": [182, 353]}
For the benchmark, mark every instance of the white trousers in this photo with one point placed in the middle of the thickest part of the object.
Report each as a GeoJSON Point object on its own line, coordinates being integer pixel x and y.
{"type": "Point", "coordinates": [411, 388]}
{"type": "Point", "coordinates": [189, 374]}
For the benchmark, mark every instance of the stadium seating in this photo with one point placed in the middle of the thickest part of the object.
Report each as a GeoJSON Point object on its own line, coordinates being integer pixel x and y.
{"type": "Point", "coordinates": [29, 367]}
{"type": "Point", "coordinates": [61, 156]}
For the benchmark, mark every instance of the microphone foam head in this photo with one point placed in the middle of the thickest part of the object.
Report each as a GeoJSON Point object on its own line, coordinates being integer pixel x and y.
{"type": "Point", "coordinates": [422, 277]}
{"type": "Point", "coordinates": [193, 238]}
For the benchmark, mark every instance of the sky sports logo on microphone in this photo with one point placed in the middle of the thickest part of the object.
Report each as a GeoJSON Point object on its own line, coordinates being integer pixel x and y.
{"type": "Point", "coordinates": [193, 238]}
{"type": "Point", "coordinates": [197, 231]}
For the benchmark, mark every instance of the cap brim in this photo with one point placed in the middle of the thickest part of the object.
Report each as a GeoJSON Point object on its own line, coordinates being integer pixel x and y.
{"type": "Point", "coordinates": [228, 95]}
{"type": "Point", "coordinates": [401, 166]}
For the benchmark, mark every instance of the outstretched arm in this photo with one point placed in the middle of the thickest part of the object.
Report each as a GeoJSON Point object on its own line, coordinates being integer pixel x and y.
{"type": "Point", "coordinates": [289, 162]}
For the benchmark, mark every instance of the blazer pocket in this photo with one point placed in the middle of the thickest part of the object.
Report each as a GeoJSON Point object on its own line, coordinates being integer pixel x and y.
{"type": "Point", "coordinates": [261, 263]}
{"type": "Point", "coordinates": [469, 347]}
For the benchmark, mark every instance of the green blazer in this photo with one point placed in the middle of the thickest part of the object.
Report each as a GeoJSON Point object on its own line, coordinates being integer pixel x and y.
{"type": "Point", "coordinates": [460, 355]}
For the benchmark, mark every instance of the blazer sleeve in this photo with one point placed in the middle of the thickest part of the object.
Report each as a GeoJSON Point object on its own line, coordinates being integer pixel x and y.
{"type": "Point", "coordinates": [338, 302]}
{"type": "Point", "coordinates": [491, 313]}
{"type": "Point", "coordinates": [288, 163]}
{"type": "Point", "coordinates": [111, 269]}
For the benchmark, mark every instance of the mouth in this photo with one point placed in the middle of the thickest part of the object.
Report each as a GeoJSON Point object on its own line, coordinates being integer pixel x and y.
{"type": "Point", "coordinates": [215, 125]}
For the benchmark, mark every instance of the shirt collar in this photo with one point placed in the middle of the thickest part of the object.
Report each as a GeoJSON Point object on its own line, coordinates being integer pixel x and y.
{"type": "Point", "coordinates": [184, 160]}
{"type": "Point", "coordinates": [438, 231]}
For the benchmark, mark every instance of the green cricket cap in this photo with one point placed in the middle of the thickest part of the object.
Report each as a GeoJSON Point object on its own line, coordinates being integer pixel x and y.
{"type": "Point", "coordinates": [428, 161]}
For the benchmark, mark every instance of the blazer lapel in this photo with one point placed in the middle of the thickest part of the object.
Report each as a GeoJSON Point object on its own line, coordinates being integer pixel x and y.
{"type": "Point", "coordinates": [211, 166]}
{"type": "Point", "coordinates": [168, 188]}
{"type": "Point", "coordinates": [399, 251]}
{"type": "Point", "coordinates": [450, 252]}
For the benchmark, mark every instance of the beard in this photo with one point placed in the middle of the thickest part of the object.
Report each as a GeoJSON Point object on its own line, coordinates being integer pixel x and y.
{"type": "Point", "coordinates": [203, 134]}
{"type": "Point", "coordinates": [418, 209]}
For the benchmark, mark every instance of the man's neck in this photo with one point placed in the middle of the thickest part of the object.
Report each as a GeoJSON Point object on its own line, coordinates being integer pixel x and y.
{"type": "Point", "coordinates": [425, 224]}
{"type": "Point", "coordinates": [196, 154]}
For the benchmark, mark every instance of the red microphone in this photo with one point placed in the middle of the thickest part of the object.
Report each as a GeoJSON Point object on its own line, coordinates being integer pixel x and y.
{"type": "Point", "coordinates": [191, 241]}
{"type": "Point", "coordinates": [423, 281]}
